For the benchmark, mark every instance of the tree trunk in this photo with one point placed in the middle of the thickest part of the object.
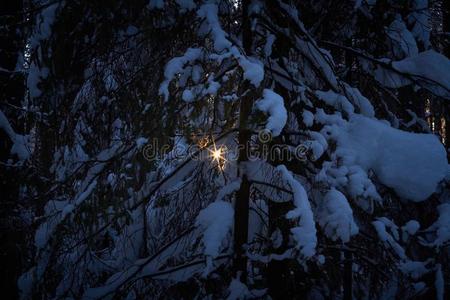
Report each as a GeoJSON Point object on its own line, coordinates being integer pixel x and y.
{"type": "Point", "coordinates": [348, 275]}
{"type": "Point", "coordinates": [446, 28]}
{"type": "Point", "coordinates": [12, 92]}
{"type": "Point", "coordinates": [243, 195]}
{"type": "Point", "coordinates": [282, 275]}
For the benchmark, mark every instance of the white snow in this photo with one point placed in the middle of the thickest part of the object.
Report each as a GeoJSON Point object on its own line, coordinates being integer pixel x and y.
{"type": "Point", "coordinates": [319, 59]}
{"type": "Point", "coordinates": [176, 65]}
{"type": "Point", "coordinates": [429, 69]}
{"type": "Point", "coordinates": [361, 102]}
{"type": "Point", "coordinates": [404, 44]}
{"type": "Point", "coordinates": [213, 86]}
{"type": "Point", "coordinates": [305, 233]}
{"type": "Point", "coordinates": [359, 184]}
{"type": "Point", "coordinates": [318, 144]}
{"type": "Point", "coordinates": [336, 100]}
{"type": "Point", "coordinates": [111, 179]}
{"type": "Point", "coordinates": [187, 96]}
{"type": "Point", "coordinates": [20, 145]}
{"type": "Point", "coordinates": [420, 20]}
{"type": "Point", "coordinates": [322, 117]}
{"type": "Point", "coordinates": [44, 22]}
{"type": "Point", "coordinates": [6, 126]}
{"type": "Point", "coordinates": [268, 46]}
{"type": "Point", "coordinates": [140, 142]}
{"type": "Point", "coordinates": [307, 118]}
{"type": "Point", "coordinates": [381, 224]}
{"type": "Point", "coordinates": [442, 225]}
{"type": "Point", "coordinates": [64, 209]}
{"type": "Point", "coordinates": [412, 164]}
{"type": "Point", "coordinates": [228, 189]}
{"type": "Point", "coordinates": [42, 31]}
{"type": "Point", "coordinates": [209, 12]}
{"type": "Point", "coordinates": [34, 76]}
{"type": "Point", "coordinates": [273, 105]}
{"type": "Point", "coordinates": [415, 269]}
{"type": "Point", "coordinates": [238, 290]}
{"type": "Point", "coordinates": [336, 217]}
{"type": "Point", "coordinates": [411, 227]}
{"type": "Point", "coordinates": [253, 68]}
{"type": "Point", "coordinates": [216, 220]}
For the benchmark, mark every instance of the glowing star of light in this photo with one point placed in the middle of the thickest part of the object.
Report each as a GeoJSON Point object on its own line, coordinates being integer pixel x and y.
{"type": "Point", "coordinates": [218, 156]}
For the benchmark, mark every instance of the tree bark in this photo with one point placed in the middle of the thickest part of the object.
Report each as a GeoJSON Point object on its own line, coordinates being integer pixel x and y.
{"type": "Point", "coordinates": [446, 29]}
{"type": "Point", "coordinates": [12, 92]}
{"type": "Point", "coordinates": [243, 194]}
{"type": "Point", "coordinates": [283, 276]}
{"type": "Point", "coordinates": [348, 275]}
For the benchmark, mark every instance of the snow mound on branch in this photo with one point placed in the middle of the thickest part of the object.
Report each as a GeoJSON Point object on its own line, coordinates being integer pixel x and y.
{"type": "Point", "coordinates": [273, 104]}
{"type": "Point", "coordinates": [429, 69]}
{"type": "Point", "coordinates": [253, 68]}
{"type": "Point", "coordinates": [216, 220]}
{"type": "Point", "coordinates": [44, 24]}
{"type": "Point", "coordinates": [411, 163]}
{"type": "Point", "coordinates": [336, 100]}
{"type": "Point", "coordinates": [361, 102]}
{"type": "Point", "coordinates": [442, 226]}
{"type": "Point", "coordinates": [403, 41]}
{"type": "Point", "coordinates": [237, 290]}
{"type": "Point", "coordinates": [140, 142]}
{"type": "Point", "coordinates": [415, 269]}
{"type": "Point", "coordinates": [229, 189]}
{"type": "Point", "coordinates": [210, 13]}
{"type": "Point", "coordinates": [305, 233]}
{"type": "Point", "coordinates": [319, 60]}
{"type": "Point", "coordinates": [176, 65]}
{"type": "Point", "coordinates": [381, 226]}
{"type": "Point", "coordinates": [337, 217]}
{"type": "Point", "coordinates": [411, 227]}
{"type": "Point", "coordinates": [20, 145]}
{"type": "Point", "coordinates": [308, 118]}
{"type": "Point", "coordinates": [59, 210]}
{"type": "Point", "coordinates": [420, 21]}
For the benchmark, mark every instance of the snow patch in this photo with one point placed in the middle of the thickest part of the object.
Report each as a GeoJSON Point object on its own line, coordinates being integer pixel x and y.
{"type": "Point", "coordinates": [216, 220]}
{"type": "Point", "coordinates": [429, 69]}
{"type": "Point", "coordinates": [273, 105]}
{"type": "Point", "coordinates": [389, 152]}
{"type": "Point", "coordinates": [305, 233]}
{"type": "Point", "coordinates": [176, 65]}
{"type": "Point", "coordinates": [336, 217]}
{"type": "Point", "coordinates": [336, 100]}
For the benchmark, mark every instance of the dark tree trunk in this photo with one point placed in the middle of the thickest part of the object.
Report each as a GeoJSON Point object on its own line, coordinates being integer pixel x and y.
{"type": "Point", "coordinates": [12, 92]}
{"type": "Point", "coordinates": [446, 29]}
{"type": "Point", "coordinates": [243, 195]}
{"type": "Point", "coordinates": [446, 25]}
{"type": "Point", "coordinates": [283, 276]}
{"type": "Point", "coordinates": [348, 275]}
